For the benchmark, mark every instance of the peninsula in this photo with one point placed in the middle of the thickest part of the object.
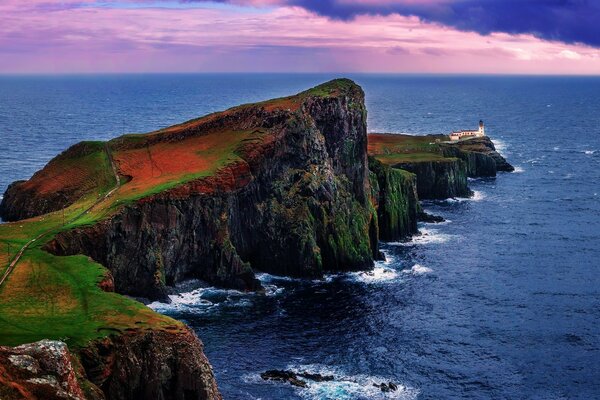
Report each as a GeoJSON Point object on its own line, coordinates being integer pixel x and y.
{"type": "Point", "coordinates": [292, 186]}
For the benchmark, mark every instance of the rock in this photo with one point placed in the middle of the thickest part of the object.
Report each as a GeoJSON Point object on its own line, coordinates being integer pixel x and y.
{"type": "Point", "coordinates": [386, 388]}
{"type": "Point", "coordinates": [440, 179]}
{"type": "Point", "coordinates": [151, 364]}
{"type": "Point", "coordinates": [316, 377]}
{"type": "Point", "coordinates": [430, 218]}
{"type": "Point", "coordinates": [292, 377]}
{"type": "Point", "coordinates": [480, 155]}
{"type": "Point", "coordinates": [283, 376]}
{"type": "Point", "coordinates": [396, 200]}
{"type": "Point", "coordinates": [43, 370]}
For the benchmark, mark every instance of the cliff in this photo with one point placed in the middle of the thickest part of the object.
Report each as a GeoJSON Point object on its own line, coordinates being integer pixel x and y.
{"type": "Point", "coordinates": [441, 166]}
{"type": "Point", "coordinates": [480, 156]}
{"type": "Point", "coordinates": [150, 365]}
{"type": "Point", "coordinates": [396, 200]}
{"type": "Point", "coordinates": [439, 179]}
{"type": "Point", "coordinates": [280, 186]}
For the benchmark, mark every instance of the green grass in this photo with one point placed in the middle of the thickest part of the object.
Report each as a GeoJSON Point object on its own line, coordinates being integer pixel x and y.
{"type": "Point", "coordinates": [392, 149]}
{"type": "Point", "coordinates": [58, 298]}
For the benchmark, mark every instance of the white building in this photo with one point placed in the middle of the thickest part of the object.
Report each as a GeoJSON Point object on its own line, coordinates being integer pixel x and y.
{"type": "Point", "coordinates": [467, 134]}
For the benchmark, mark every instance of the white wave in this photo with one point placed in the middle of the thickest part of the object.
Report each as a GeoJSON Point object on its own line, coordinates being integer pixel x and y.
{"type": "Point", "coordinates": [188, 301]}
{"type": "Point", "coordinates": [589, 152]}
{"type": "Point", "coordinates": [418, 269]}
{"type": "Point", "coordinates": [427, 236]}
{"type": "Point", "coordinates": [347, 387]}
{"type": "Point", "coordinates": [202, 300]}
{"type": "Point", "coordinates": [477, 196]}
{"type": "Point", "coordinates": [264, 277]}
{"type": "Point", "coordinates": [500, 145]}
{"type": "Point", "coordinates": [556, 148]}
{"type": "Point", "coordinates": [379, 274]}
{"type": "Point", "coordinates": [518, 170]}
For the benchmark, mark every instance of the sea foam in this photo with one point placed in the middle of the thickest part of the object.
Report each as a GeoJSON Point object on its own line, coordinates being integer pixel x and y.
{"type": "Point", "coordinates": [379, 274]}
{"type": "Point", "coordinates": [426, 236]}
{"type": "Point", "coordinates": [344, 386]}
{"type": "Point", "coordinates": [418, 269]}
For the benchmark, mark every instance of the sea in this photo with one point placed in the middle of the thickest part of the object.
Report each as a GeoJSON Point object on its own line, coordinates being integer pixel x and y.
{"type": "Point", "coordinates": [501, 301]}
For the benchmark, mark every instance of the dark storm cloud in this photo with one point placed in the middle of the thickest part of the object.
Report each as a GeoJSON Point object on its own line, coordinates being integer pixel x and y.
{"type": "Point", "coordinates": [569, 21]}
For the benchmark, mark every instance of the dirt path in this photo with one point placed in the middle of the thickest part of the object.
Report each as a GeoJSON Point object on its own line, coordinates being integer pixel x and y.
{"type": "Point", "coordinates": [14, 262]}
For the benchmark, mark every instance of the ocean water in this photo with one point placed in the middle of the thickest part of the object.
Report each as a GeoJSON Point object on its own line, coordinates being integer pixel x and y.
{"type": "Point", "coordinates": [502, 301]}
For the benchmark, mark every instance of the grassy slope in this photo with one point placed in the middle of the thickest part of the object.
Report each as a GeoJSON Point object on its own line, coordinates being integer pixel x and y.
{"type": "Point", "coordinates": [392, 149]}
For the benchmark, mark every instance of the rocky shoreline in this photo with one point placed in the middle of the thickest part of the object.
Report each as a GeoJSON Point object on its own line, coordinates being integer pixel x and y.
{"type": "Point", "coordinates": [305, 195]}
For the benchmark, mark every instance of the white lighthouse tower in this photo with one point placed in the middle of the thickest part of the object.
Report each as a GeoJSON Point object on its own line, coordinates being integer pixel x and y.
{"type": "Point", "coordinates": [481, 131]}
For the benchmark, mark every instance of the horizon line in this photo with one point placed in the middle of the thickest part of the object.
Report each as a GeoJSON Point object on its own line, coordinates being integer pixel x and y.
{"type": "Point", "coordinates": [483, 74]}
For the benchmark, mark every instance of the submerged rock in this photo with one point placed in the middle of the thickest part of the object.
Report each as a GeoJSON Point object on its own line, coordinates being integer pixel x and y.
{"type": "Point", "coordinates": [386, 388]}
{"type": "Point", "coordinates": [283, 376]}
{"type": "Point", "coordinates": [430, 218]}
{"type": "Point", "coordinates": [293, 378]}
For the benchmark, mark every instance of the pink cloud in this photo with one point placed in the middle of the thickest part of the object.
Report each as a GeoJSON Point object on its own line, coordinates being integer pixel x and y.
{"type": "Point", "coordinates": [70, 38]}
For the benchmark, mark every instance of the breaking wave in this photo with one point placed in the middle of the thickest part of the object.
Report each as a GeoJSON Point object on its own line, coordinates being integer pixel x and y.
{"type": "Point", "coordinates": [343, 386]}
{"type": "Point", "coordinates": [377, 275]}
{"type": "Point", "coordinates": [500, 146]}
{"type": "Point", "coordinates": [418, 269]}
{"type": "Point", "coordinates": [426, 236]}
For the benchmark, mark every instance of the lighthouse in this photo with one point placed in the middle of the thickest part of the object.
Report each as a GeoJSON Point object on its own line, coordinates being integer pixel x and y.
{"type": "Point", "coordinates": [481, 131]}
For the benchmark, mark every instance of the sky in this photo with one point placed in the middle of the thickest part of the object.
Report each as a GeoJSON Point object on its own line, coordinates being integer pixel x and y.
{"type": "Point", "coordinates": [388, 36]}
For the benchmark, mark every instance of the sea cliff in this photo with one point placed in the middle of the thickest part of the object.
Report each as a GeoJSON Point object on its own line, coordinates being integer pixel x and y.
{"type": "Point", "coordinates": [291, 186]}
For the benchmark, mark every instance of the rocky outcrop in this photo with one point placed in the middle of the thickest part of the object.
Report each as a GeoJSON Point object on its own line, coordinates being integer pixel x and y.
{"type": "Point", "coordinates": [297, 204]}
{"type": "Point", "coordinates": [154, 364]}
{"type": "Point", "coordinates": [43, 370]}
{"type": "Point", "coordinates": [480, 156]}
{"type": "Point", "coordinates": [396, 199]}
{"type": "Point", "coordinates": [478, 165]}
{"type": "Point", "coordinates": [439, 179]}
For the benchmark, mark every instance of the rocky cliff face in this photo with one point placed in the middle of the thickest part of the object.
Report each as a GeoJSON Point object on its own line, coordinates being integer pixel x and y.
{"type": "Point", "coordinates": [440, 179]}
{"type": "Point", "coordinates": [396, 199]}
{"type": "Point", "coordinates": [135, 365]}
{"type": "Point", "coordinates": [150, 365]}
{"type": "Point", "coordinates": [479, 155]}
{"type": "Point", "coordinates": [297, 204]}
{"type": "Point", "coordinates": [477, 165]}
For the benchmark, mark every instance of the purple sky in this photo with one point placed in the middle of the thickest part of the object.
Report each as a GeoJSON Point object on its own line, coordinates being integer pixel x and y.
{"type": "Point", "coordinates": [440, 36]}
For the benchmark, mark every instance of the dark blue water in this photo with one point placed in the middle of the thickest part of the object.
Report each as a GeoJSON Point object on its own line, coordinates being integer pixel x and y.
{"type": "Point", "coordinates": [502, 301]}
